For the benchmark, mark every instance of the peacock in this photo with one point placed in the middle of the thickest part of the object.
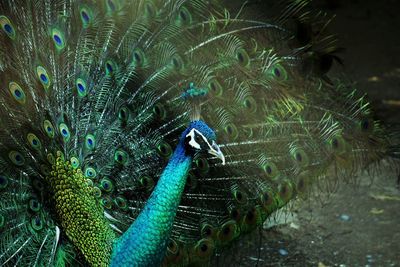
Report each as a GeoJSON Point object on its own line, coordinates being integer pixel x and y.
{"type": "Point", "coordinates": [159, 132]}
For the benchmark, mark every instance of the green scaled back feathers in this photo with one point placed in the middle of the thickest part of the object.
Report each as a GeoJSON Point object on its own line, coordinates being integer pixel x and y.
{"type": "Point", "coordinates": [91, 110]}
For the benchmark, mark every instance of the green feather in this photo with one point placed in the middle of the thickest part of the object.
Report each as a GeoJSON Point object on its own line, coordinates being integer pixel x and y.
{"type": "Point", "coordinates": [94, 105]}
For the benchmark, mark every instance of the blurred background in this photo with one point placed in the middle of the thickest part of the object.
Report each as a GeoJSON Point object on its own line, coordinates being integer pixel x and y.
{"type": "Point", "coordinates": [358, 224]}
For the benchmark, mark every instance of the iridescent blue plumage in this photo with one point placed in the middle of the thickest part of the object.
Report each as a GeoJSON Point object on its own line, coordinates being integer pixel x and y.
{"type": "Point", "coordinates": [145, 241]}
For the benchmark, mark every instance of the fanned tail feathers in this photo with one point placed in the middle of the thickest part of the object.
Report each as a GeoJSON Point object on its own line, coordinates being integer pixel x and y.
{"type": "Point", "coordinates": [99, 84]}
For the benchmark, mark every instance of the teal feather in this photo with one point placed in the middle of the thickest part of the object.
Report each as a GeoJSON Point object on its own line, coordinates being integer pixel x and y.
{"type": "Point", "coordinates": [94, 167]}
{"type": "Point", "coordinates": [148, 248]}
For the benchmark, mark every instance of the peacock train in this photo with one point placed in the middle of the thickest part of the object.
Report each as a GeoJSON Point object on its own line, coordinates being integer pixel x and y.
{"type": "Point", "coordinates": [159, 132]}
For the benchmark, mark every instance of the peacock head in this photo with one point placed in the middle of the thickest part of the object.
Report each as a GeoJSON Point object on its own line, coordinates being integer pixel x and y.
{"type": "Point", "coordinates": [199, 137]}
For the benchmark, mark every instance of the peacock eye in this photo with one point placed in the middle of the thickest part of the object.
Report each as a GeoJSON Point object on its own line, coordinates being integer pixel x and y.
{"type": "Point", "coordinates": [197, 138]}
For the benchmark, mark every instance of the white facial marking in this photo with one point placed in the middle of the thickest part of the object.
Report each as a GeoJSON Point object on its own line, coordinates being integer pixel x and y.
{"type": "Point", "coordinates": [192, 141]}
{"type": "Point", "coordinates": [212, 149]}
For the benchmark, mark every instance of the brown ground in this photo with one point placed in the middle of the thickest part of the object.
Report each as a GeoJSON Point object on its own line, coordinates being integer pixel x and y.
{"type": "Point", "coordinates": [318, 234]}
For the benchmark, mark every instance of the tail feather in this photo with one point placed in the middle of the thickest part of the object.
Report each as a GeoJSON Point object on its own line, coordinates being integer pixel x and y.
{"type": "Point", "coordinates": [102, 83]}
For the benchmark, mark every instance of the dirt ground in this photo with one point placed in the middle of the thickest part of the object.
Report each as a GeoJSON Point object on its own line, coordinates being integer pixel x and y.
{"type": "Point", "coordinates": [358, 225]}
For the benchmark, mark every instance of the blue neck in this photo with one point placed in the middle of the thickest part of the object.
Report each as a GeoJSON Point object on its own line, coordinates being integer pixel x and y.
{"type": "Point", "coordinates": [144, 243]}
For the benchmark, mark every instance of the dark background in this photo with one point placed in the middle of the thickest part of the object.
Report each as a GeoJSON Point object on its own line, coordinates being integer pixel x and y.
{"type": "Point", "coordinates": [357, 225]}
{"type": "Point", "coordinates": [369, 33]}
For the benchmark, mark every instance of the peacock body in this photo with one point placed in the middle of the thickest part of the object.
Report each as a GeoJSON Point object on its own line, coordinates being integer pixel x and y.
{"type": "Point", "coordinates": [111, 112]}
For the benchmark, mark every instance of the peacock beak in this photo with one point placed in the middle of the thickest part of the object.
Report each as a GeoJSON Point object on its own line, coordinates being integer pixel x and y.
{"type": "Point", "coordinates": [216, 151]}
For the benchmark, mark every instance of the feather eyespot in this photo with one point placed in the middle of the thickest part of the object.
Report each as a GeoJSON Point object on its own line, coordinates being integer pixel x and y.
{"type": "Point", "coordinates": [96, 192]}
{"type": "Point", "coordinates": [164, 150]}
{"type": "Point", "coordinates": [74, 162]}
{"type": "Point", "coordinates": [250, 104]}
{"type": "Point", "coordinates": [278, 72]}
{"type": "Point", "coordinates": [159, 111]}
{"type": "Point", "coordinates": [300, 157]}
{"type": "Point", "coordinates": [51, 159]}
{"type": "Point", "coordinates": [81, 87]}
{"type": "Point", "coordinates": [48, 128]}
{"type": "Point", "coordinates": [64, 131]}
{"type": "Point", "coordinates": [177, 63]}
{"type": "Point", "coordinates": [232, 131]}
{"type": "Point", "coordinates": [44, 78]}
{"type": "Point", "coordinates": [240, 197]}
{"type": "Point", "coordinates": [90, 172]}
{"type": "Point", "coordinates": [90, 142]}
{"type": "Point", "coordinates": [207, 230]}
{"type": "Point", "coordinates": [215, 87]}
{"type": "Point", "coordinates": [228, 231]}
{"type": "Point", "coordinates": [7, 27]}
{"type": "Point", "coordinates": [17, 92]}
{"type": "Point", "coordinates": [253, 217]}
{"type": "Point", "coordinates": [147, 183]}
{"type": "Point", "coordinates": [89, 183]}
{"type": "Point", "coordinates": [337, 144]}
{"type": "Point", "coordinates": [121, 157]}
{"type": "Point", "coordinates": [58, 39]}
{"type": "Point", "coordinates": [138, 58]}
{"type": "Point", "coordinates": [172, 247]}
{"type": "Point", "coordinates": [37, 223]}
{"type": "Point", "coordinates": [34, 141]}
{"type": "Point", "coordinates": [106, 185]}
{"type": "Point", "coordinates": [270, 169]}
{"type": "Point", "coordinates": [184, 17]}
{"type": "Point", "coordinates": [110, 67]}
{"type": "Point", "coordinates": [285, 191]}
{"type": "Point", "coordinates": [202, 165]}
{"type": "Point", "coordinates": [106, 203]}
{"type": "Point", "coordinates": [123, 114]}
{"type": "Point", "coordinates": [268, 201]}
{"type": "Point", "coordinates": [121, 202]}
{"type": "Point", "coordinates": [204, 248]}
{"type": "Point", "coordinates": [34, 205]}
{"type": "Point", "coordinates": [86, 16]}
{"type": "Point", "coordinates": [242, 57]}
{"type": "Point", "coordinates": [45, 170]}
{"type": "Point", "coordinates": [16, 158]}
